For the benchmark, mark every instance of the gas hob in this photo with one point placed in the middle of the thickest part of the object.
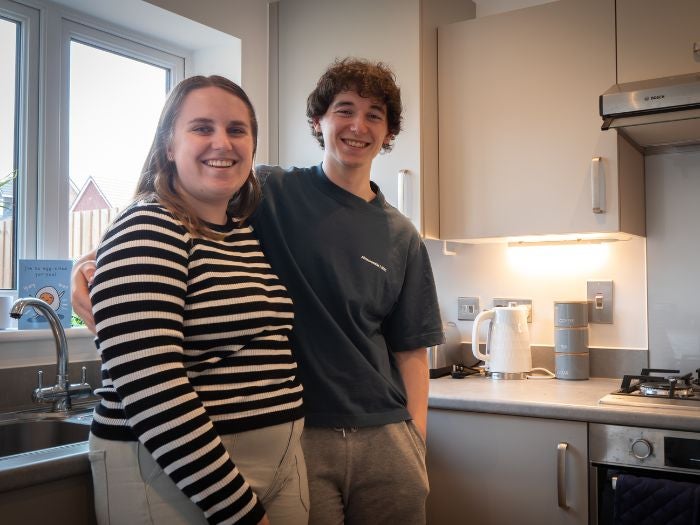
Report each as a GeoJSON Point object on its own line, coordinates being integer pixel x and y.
{"type": "Point", "coordinates": [657, 388]}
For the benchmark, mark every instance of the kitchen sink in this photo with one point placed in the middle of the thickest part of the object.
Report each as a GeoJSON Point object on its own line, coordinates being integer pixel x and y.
{"type": "Point", "coordinates": [20, 436]}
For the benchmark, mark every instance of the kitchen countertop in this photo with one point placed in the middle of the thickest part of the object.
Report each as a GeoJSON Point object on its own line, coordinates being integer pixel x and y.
{"type": "Point", "coordinates": [43, 466]}
{"type": "Point", "coordinates": [543, 398]}
{"type": "Point", "coordinates": [553, 399]}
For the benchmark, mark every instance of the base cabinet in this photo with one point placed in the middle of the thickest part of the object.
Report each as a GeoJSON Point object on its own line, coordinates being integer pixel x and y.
{"type": "Point", "coordinates": [497, 469]}
{"type": "Point", "coordinates": [67, 501]}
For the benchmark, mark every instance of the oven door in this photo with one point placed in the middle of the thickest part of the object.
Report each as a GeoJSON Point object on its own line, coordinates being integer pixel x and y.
{"type": "Point", "coordinates": [604, 483]}
{"type": "Point", "coordinates": [640, 461]}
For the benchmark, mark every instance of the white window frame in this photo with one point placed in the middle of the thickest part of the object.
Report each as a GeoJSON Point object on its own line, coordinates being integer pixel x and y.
{"type": "Point", "coordinates": [42, 225]}
{"type": "Point", "coordinates": [43, 187]}
{"type": "Point", "coordinates": [27, 138]}
{"type": "Point", "coordinates": [53, 193]}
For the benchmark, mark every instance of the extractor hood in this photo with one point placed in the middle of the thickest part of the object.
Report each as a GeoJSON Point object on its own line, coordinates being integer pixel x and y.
{"type": "Point", "coordinates": [657, 113]}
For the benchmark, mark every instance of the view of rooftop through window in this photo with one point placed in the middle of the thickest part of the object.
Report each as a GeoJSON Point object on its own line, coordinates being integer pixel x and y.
{"type": "Point", "coordinates": [115, 102]}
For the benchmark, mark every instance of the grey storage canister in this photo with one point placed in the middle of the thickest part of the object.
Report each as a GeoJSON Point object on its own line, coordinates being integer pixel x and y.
{"type": "Point", "coordinates": [570, 313]}
{"type": "Point", "coordinates": [571, 357]}
{"type": "Point", "coordinates": [572, 340]}
{"type": "Point", "coordinates": [572, 366]}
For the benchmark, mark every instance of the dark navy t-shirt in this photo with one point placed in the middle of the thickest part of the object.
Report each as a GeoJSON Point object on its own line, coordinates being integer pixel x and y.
{"type": "Point", "coordinates": [362, 286]}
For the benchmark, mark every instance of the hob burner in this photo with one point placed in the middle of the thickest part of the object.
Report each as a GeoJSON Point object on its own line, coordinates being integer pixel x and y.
{"type": "Point", "coordinates": [671, 388]}
{"type": "Point", "coordinates": [657, 388]}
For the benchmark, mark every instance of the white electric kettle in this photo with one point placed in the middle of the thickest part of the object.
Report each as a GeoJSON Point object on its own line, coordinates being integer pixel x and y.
{"type": "Point", "coordinates": [508, 353]}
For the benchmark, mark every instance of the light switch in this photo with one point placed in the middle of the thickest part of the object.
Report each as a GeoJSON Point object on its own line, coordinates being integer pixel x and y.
{"type": "Point", "coordinates": [600, 302]}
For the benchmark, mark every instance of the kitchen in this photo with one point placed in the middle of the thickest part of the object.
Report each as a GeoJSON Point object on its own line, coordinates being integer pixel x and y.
{"type": "Point", "coordinates": [654, 323]}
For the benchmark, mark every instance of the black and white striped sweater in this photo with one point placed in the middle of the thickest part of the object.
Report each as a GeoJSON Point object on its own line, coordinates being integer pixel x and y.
{"type": "Point", "coordinates": [193, 336]}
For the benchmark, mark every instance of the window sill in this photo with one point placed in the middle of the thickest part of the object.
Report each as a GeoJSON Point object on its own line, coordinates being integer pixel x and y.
{"type": "Point", "coordinates": [9, 335]}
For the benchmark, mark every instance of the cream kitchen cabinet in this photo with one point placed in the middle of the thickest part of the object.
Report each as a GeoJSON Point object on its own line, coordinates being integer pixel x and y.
{"type": "Point", "coordinates": [494, 469]}
{"type": "Point", "coordinates": [311, 34]}
{"type": "Point", "coordinates": [519, 126]}
{"type": "Point", "coordinates": [657, 38]}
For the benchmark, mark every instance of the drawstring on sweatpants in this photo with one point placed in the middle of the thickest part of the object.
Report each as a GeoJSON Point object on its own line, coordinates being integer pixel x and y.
{"type": "Point", "coordinates": [342, 429]}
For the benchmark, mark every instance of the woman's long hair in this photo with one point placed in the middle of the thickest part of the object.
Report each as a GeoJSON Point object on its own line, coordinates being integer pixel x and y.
{"type": "Point", "coordinates": [157, 180]}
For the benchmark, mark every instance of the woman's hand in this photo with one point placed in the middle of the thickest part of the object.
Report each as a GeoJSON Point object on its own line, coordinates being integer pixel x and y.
{"type": "Point", "coordinates": [264, 521]}
{"type": "Point", "coordinates": [81, 277]}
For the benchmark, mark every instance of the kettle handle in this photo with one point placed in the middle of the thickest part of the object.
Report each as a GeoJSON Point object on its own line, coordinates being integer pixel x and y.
{"type": "Point", "coordinates": [483, 316]}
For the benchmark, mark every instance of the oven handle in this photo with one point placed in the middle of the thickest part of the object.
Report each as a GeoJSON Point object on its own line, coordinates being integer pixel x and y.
{"type": "Point", "coordinates": [561, 474]}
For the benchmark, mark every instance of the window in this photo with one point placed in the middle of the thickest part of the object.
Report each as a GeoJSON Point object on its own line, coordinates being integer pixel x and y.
{"type": "Point", "coordinates": [114, 92]}
{"type": "Point", "coordinates": [115, 102]}
{"type": "Point", "coordinates": [76, 121]}
{"type": "Point", "coordinates": [19, 106]}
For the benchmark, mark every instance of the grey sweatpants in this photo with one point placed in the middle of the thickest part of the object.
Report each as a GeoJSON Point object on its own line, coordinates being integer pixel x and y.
{"type": "Point", "coordinates": [366, 476]}
{"type": "Point", "coordinates": [131, 489]}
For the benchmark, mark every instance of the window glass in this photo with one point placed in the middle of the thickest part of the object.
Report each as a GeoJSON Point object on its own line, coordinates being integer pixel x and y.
{"type": "Point", "coordinates": [8, 147]}
{"type": "Point", "coordinates": [115, 102]}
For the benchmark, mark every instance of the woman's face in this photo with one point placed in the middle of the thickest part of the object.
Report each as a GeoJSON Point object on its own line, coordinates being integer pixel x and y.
{"type": "Point", "coordinates": [212, 147]}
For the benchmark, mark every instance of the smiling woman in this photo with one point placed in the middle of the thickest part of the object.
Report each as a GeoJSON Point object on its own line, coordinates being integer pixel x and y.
{"type": "Point", "coordinates": [212, 147]}
{"type": "Point", "coordinates": [193, 329]}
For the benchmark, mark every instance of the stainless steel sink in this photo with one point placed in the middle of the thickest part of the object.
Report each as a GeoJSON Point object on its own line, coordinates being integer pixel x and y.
{"type": "Point", "coordinates": [26, 435]}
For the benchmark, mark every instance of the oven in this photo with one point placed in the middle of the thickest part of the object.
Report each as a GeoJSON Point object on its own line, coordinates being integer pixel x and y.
{"type": "Point", "coordinates": [639, 474]}
{"type": "Point", "coordinates": [652, 460]}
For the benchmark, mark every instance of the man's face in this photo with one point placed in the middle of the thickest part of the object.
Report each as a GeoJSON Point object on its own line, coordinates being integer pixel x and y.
{"type": "Point", "coordinates": [354, 129]}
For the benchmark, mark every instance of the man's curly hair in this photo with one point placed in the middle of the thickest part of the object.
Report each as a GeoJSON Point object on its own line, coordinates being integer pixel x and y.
{"type": "Point", "coordinates": [369, 79]}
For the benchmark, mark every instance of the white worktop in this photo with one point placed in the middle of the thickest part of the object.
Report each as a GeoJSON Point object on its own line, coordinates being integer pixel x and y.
{"type": "Point", "coordinates": [554, 399]}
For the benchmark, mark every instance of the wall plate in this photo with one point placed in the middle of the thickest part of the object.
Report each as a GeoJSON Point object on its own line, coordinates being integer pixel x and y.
{"type": "Point", "coordinates": [504, 301]}
{"type": "Point", "coordinates": [600, 302]}
{"type": "Point", "coordinates": [467, 308]}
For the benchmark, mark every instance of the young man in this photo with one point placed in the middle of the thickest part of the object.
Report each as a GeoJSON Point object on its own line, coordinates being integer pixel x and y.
{"type": "Point", "coordinates": [365, 306]}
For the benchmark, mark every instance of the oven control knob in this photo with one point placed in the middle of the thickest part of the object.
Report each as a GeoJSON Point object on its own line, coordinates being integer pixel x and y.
{"type": "Point", "coordinates": [641, 449]}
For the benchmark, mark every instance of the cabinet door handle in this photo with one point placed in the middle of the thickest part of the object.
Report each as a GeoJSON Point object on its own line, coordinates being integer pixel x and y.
{"type": "Point", "coordinates": [597, 185]}
{"type": "Point", "coordinates": [402, 203]}
{"type": "Point", "coordinates": [696, 49]}
{"type": "Point", "coordinates": [561, 474]}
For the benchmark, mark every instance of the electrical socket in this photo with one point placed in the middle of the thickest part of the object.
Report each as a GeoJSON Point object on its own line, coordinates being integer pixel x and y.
{"type": "Point", "coordinates": [467, 308]}
{"type": "Point", "coordinates": [503, 301]}
{"type": "Point", "coordinates": [600, 302]}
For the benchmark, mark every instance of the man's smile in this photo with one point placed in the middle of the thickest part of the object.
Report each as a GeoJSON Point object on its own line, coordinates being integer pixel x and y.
{"type": "Point", "coordinates": [355, 143]}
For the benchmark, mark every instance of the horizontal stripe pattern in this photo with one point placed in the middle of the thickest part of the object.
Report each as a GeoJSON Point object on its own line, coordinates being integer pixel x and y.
{"type": "Point", "coordinates": [194, 340]}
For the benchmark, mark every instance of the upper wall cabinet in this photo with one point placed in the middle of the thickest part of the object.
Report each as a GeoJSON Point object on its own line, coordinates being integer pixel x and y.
{"type": "Point", "coordinates": [519, 127]}
{"type": "Point", "coordinates": [657, 38]}
{"type": "Point", "coordinates": [401, 33]}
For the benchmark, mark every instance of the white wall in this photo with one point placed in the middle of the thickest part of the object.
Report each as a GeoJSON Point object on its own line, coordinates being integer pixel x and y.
{"type": "Point", "coordinates": [312, 34]}
{"type": "Point", "coordinates": [546, 274]}
{"type": "Point", "coordinates": [484, 270]}
{"type": "Point", "coordinates": [246, 20]}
